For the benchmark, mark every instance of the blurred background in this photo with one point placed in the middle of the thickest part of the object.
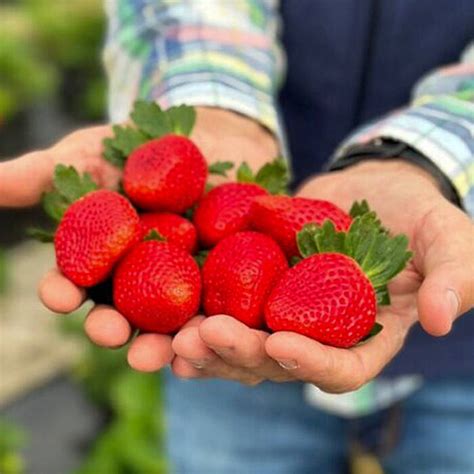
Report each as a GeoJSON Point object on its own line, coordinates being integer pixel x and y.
{"type": "Point", "coordinates": [65, 405]}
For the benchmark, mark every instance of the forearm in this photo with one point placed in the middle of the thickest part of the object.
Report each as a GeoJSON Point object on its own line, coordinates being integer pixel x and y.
{"type": "Point", "coordinates": [438, 125]}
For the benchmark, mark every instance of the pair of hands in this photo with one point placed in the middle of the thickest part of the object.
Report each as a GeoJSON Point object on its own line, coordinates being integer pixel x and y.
{"type": "Point", "coordinates": [435, 289]}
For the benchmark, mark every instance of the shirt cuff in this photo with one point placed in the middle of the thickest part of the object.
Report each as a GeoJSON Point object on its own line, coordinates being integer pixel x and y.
{"type": "Point", "coordinates": [441, 129]}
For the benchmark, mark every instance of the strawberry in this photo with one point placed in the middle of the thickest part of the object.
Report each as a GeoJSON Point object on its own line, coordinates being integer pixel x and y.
{"type": "Point", "coordinates": [175, 229]}
{"type": "Point", "coordinates": [93, 228]}
{"type": "Point", "coordinates": [238, 275]}
{"type": "Point", "coordinates": [157, 287]}
{"type": "Point", "coordinates": [225, 209]}
{"type": "Point", "coordinates": [94, 233]}
{"type": "Point", "coordinates": [332, 295]}
{"type": "Point", "coordinates": [163, 169]}
{"type": "Point", "coordinates": [165, 174]}
{"type": "Point", "coordinates": [281, 217]}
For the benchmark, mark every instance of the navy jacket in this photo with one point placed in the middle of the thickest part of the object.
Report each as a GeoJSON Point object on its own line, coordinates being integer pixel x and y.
{"type": "Point", "coordinates": [350, 61]}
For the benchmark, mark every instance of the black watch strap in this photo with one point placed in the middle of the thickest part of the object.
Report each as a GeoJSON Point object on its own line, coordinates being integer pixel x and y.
{"type": "Point", "coordinates": [382, 148]}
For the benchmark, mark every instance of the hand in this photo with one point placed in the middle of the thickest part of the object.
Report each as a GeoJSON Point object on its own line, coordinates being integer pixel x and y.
{"type": "Point", "coordinates": [220, 134]}
{"type": "Point", "coordinates": [436, 288]}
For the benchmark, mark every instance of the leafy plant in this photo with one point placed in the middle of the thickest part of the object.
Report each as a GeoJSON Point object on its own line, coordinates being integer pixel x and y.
{"type": "Point", "coordinates": [25, 75]}
{"type": "Point", "coordinates": [12, 439]}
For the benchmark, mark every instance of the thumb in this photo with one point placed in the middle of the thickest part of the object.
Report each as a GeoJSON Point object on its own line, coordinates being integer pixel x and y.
{"type": "Point", "coordinates": [23, 180]}
{"type": "Point", "coordinates": [444, 246]}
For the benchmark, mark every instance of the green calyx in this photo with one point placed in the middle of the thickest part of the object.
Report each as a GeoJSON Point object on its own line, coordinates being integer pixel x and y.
{"type": "Point", "coordinates": [149, 122]}
{"type": "Point", "coordinates": [273, 176]}
{"type": "Point", "coordinates": [68, 186]}
{"type": "Point", "coordinates": [220, 168]}
{"type": "Point", "coordinates": [154, 235]}
{"type": "Point", "coordinates": [380, 255]}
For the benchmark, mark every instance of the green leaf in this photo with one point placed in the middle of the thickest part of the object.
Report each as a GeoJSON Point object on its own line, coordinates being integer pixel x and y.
{"type": "Point", "coordinates": [154, 235]}
{"type": "Point", "coordinates": [382, 295]}
{"type": "Point", "coordinates": [274, 176]}
{"type": "Point", "coordinates": [295, 260]}
{"type": "Point", "coordinates": [151, 120]}
{"type": "Point", "coordinates": [380, 255]}
{"type": "Point", "coordinates": [182, 119]}
{"type": "Point", "coordinates": [245, 174]}
{"type": "Point", "coordinates": [220, 168]}
{"type": "Point", "coordinates": [112, 155]}
{"type": "Point", "coordinates": [376, 328]}
{"type": "Point", "coordinates": [201, 257]}
{"type": "Point", "coordinates": [70, 185]}
{"type": "Point", "coordinates": [40, 234]}
{"type": "Point", "coordinates": [359, 208]}
{"type": "Point", "coordinates": [306, 241]}
{"type": "Point", "coordinates": [127, 139]}
{"type": "Point", "coordinates": [329, 240]}
{"type": "Point", "coordinates": [189, 213]}
{"type": "Point", "coordinates": [54, 205]}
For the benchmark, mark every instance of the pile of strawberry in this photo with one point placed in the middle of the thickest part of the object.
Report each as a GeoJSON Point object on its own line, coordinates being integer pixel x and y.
{"type": "Point", "coordinates": [169, 246]}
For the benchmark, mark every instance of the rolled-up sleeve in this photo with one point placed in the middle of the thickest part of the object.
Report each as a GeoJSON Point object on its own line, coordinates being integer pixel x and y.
{"type": "Point", "coordinates": [219, 53]}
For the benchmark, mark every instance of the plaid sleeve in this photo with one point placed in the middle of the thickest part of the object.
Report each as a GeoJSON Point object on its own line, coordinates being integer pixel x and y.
{"type": "Point", "coordinates": [439, 124]}
{"type": "Point", "coordinates": [210, 53]}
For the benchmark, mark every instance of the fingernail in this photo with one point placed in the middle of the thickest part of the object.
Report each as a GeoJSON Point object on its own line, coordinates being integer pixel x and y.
{"type": "Point", "coordinates": [288, 364]}
{"type": "Point", "coordinates": [198, 363]}
{"type": "Point", "coordinates": [454, 303]}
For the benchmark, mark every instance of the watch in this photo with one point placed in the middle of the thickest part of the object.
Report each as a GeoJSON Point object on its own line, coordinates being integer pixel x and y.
{"type": "Point", "coordinates": [386, 148]}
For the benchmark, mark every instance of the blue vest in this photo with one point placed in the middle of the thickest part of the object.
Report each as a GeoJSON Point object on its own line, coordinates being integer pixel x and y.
{"type": "Point", "coordinates": [350, 61]}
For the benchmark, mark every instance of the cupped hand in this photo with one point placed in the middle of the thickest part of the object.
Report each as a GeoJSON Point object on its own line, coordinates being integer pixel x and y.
{"type": "Point", "coordinates": [435, 289]}
{"type": "Point", "coordinates": [220, 134]}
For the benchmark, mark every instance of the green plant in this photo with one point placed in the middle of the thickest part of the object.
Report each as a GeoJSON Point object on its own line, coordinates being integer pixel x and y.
{"type": "Point", "coordinates": [73, 37]}
{"type": "Point", "coordinates": [12, 439]}
{"type": "Point", "coordinates": [25, 75]}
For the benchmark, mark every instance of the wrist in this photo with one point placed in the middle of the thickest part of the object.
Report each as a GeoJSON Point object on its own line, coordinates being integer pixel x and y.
{"type": "Point", "coordinates": [232, 124]}
{"type": "Point", "coordinates": [398, 168]}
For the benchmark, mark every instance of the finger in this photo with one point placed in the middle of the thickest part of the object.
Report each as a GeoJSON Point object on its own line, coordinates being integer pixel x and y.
{"type": "Point", "coordinates": [196, 360]}
{"type": "Point", "coordinates": [238, 345]}
{"type": "Point", "coordinates": [106, 327]}
{"type": "Point", "coordinates": [59, 294]}
{"type": "Point", "coordinates": [186, 370]}
{"type": "Point", "coordinates": [188, 345]}
{"type": "Point", "coordinates": [23, 180]}
{"type": "Point", "coordinates": [444, 252]}
{"type": "Point", "coordinates": [333, 369]}
{"type": "Point", "coordinates": [150, 352]}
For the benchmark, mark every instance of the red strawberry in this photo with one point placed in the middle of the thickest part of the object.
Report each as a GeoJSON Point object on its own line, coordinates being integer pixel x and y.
{"type": "Point", "coordinates": [94, 233]}
{"type": "Point", "coordinates": [238, 275]}
{"type": "Point", "coordinates": [332, 296]}
{"type": "Point", "coordinates": [174, 228]}
{"type": "Point", "coordinates": [225, 210]}
{"type": "Point", "coordinates": [281, 217]}
{"type": "Point", "coordinates": [157, 287]}
{"type": "Point", "coordinates": [165, 174]}
{"type": "Point", "coordinates": [326, 297]}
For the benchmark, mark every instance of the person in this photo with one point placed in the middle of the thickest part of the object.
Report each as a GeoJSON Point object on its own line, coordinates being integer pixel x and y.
{"type": "Point", "coordinates": [348, 64]}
